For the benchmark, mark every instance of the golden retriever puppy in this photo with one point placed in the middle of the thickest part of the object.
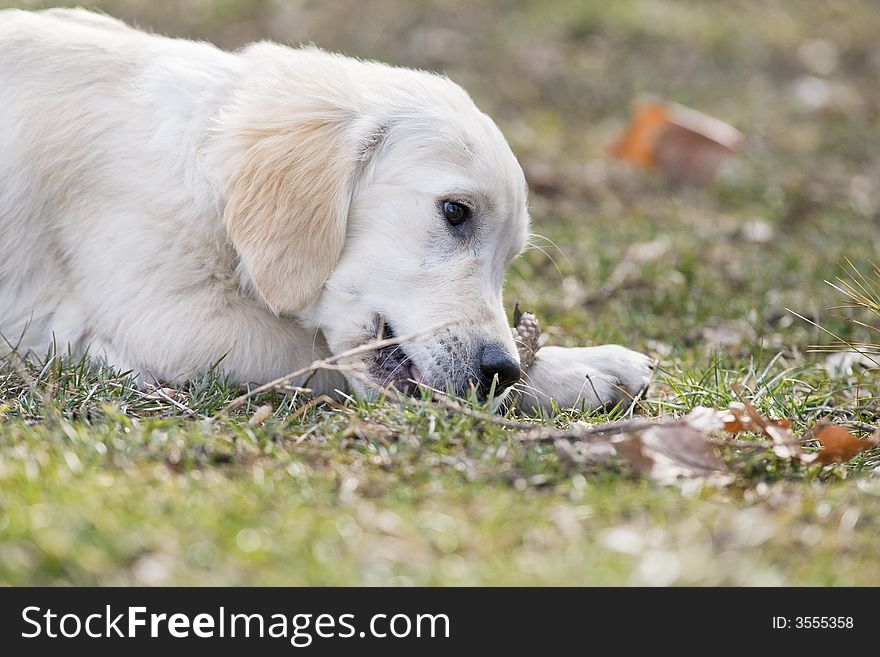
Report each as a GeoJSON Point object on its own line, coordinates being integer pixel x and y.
{"type": "Point", "coordinates": [166, 207]}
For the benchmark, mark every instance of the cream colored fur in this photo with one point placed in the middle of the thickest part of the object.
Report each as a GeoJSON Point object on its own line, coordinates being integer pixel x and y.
{"type": "Point", "coordinates": [167, 206]}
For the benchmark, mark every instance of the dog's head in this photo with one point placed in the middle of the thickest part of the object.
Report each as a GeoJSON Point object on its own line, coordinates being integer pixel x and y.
{"type": "Point", "coordinates": [372, 201]}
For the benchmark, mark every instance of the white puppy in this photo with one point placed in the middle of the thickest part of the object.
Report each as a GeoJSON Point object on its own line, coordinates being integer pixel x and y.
{"type": "Point", "coordinates": [166, 206]}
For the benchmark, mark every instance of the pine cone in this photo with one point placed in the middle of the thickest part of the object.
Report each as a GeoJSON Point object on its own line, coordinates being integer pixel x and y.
{"type": "Point", "coordinates": [525, 335]}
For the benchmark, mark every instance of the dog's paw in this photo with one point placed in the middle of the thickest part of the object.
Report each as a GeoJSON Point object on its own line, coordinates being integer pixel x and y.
{"type": "Point", "coordinates": [586, 377]}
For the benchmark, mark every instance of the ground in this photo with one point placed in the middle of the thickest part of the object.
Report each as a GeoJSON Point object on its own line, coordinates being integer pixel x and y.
{"type": "Point", "coordinates": [100, 484]}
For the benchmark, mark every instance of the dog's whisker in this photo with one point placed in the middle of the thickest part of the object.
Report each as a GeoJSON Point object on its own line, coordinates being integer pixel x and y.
{"type": "Point", "coordinates": [524, 387]}
{"type": "Point", "coordinates": [548, 240]}
{"type": "Point", "coordinates": [542, 250]}
{"type": "Point", "coordinates": [390, 355]}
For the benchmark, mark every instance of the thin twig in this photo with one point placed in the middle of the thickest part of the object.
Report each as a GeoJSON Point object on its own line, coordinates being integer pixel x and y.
{"type": "Point", "coordinates": [330, 363]}
{"type": "Point", "coordinates": [861, 426]}
{"type": "Point", "coordinates": [836, 337]}
{"type": "Point", "coordinates": [753, 444]}
{"type": "Point", "coordinates": [322, 399]}
{"type": "Point", "coordinates": [593, 431]}
{"type": "Point", "coordinates": [306, 434]}
{"type": "Point", "coordinates": [186, 409]}
{"type": "Point", "coordinates": [445, 402]}
{"type": "Point", "coordinates": [152, 397]}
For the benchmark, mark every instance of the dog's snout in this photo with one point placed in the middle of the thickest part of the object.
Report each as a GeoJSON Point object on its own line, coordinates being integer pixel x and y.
{"type": "Point", "coordinates": [495, 361]}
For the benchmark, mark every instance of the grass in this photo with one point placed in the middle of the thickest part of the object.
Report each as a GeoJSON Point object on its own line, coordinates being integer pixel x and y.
{"type": "Point", "coordinates": [103, 484]}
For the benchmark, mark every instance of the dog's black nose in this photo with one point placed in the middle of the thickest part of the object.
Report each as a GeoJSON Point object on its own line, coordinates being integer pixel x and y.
{"type": "Point", "coordinates": [495, 361]}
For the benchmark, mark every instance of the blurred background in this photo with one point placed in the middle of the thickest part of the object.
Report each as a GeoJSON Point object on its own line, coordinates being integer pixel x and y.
{"type": "Point", "coordinates": [716, 266]}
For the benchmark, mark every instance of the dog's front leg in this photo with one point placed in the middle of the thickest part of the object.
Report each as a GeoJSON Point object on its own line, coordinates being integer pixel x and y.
{"type": "Point", "coordinates": [584, 378]}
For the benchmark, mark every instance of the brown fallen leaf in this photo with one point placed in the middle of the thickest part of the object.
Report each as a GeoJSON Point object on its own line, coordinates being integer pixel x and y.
{"type": "Point", "coordinates": [745, 418]}
{"type": "Point", "coordinates": [637, 143]}
{"type": "Point", "coordinates": [670, 452]}
{"type": "Point", "coordinates": [686, 144]}
{"type": "Point", "coordinates": [742, 417]}
{"type": "Point", "coordinates": [838, 445]}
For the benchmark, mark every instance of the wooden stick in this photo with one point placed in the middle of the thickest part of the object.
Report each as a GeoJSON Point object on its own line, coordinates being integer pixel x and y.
{"type": "Point", "coordinates": [329, 363]}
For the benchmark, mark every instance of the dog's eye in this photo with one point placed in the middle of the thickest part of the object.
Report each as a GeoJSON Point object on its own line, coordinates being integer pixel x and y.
{"type": "Point", "coordinates": [455, 213]}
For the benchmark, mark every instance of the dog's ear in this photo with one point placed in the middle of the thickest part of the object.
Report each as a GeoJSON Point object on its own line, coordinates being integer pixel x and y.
{"type": "Point", "coordinates": [290, 174]}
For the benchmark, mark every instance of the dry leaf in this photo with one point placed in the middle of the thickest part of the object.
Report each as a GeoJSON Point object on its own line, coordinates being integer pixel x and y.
{"type": "Point", "coordinates": [668, 452]}
{"type": "Point", "coordinates": [685, 144]}
{"type": "Point", "coordinates": [637, 144]}
{"type": "Point", "coordinates": [672, 450]}
{"type": "Point", "coordinates": [743, 417]}
{"type": "Point", "coordinates": [838, 444]}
